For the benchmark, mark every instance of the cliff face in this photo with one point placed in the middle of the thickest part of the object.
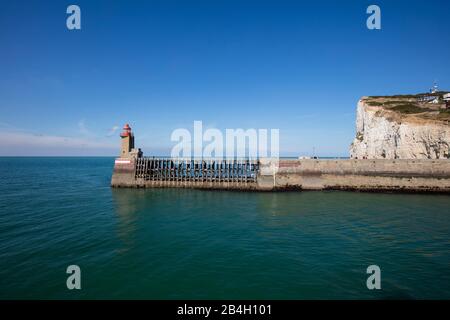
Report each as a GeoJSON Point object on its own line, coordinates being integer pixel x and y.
{"type": "Point", "coordinates": [382, 133]}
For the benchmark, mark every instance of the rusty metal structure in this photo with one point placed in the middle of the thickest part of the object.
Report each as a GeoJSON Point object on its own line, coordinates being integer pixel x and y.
{"type": "Point", "coordinates": [210, 170]}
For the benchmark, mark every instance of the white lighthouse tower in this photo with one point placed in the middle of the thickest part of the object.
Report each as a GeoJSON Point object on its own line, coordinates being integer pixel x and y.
{"type": "Point", "coordinates": [434, 89]}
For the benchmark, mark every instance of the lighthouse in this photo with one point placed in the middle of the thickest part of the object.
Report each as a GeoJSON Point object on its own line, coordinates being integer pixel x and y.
{"type": "Point", "coordinates": [435, 88]}
{"type": "Point", "coordinates": [127, 142]}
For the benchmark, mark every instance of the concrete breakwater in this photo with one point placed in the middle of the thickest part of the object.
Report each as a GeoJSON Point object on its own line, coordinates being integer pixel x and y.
{"type": "Point", "coordinates": [285, 174]}
{"type": "Point", "coordinates": [210, 174]}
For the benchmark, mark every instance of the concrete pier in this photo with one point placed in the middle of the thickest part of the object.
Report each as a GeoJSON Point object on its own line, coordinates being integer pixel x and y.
{"type": "Point", "coordinates": [362, 175]}
{"type": "Point", "coordinates": [187, 173]}
{"type": "Point", "coordinates": [285, 174]}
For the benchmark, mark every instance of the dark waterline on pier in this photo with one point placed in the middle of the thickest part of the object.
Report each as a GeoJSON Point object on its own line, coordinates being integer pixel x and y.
{"type": "Point", "coordinates": [179, 243]}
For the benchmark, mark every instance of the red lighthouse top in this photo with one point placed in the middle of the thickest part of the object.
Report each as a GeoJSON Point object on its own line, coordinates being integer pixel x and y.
{"type": "Point", "coordinates": [126, 131]}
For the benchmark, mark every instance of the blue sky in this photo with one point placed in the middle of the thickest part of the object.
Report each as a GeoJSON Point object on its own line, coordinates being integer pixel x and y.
{"type": "Point", "coordinates": [296, 66]}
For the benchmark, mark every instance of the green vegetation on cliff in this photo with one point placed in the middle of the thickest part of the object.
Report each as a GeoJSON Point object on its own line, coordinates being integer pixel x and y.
{"type": "Point", "coordinates": [409, 108]}
{"type": "Point", "coordinates": [423, 105]}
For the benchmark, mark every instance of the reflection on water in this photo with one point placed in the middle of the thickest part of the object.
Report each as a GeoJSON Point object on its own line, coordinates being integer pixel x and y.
{"type": "Point", "coordinates": [126, 207]}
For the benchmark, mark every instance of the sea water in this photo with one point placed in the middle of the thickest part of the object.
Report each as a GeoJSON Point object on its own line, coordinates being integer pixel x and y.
{"type": "Point", "coordinates": [199, 244]}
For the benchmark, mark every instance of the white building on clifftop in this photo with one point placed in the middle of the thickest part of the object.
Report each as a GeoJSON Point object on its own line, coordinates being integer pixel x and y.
{"type": "Point", "coordinates": [435, 88]}
{"type": "Point", "coordinates": [447, 100]}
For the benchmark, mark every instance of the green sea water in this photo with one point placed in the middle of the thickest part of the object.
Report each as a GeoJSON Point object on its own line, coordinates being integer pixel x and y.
{"type": "Point", "coordinates": [197, 244]}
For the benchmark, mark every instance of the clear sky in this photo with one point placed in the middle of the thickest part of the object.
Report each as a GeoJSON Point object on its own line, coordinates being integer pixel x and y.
{"type": "Point", "coordinates": [298, 66]}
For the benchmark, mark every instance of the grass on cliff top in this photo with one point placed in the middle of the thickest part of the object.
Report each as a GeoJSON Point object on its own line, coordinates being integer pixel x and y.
{"type": "Point", "coordinates": [387, 103]}
{"type": "Point", "coordinates": [393, 102]}
{"type": "Point", "coordinates": [398, 96]}
{"type": "Point", "coordinates": [374, 103]}
{"type": "Point", "coordinates": [444, 115]}
{"type": "Point", "coordinates": [409, 108]}
{"type": "Point", "coordinates": [405, 107]}
{"type": "Point", "coordinates": [410, 96]}
{"type": "Point", "coordinates": [409, 104]}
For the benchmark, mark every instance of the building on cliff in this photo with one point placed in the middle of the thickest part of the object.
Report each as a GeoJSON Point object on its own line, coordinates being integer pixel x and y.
{"type": "Point", "coordinates": [435, 88]}
{"type": "Point", "coordinates": [432, 97]}
{"type": "Point", "coordinates": [447, 100]}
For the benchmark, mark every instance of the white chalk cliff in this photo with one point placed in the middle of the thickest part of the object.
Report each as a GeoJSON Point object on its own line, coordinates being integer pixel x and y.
{"type": "Point", "coordinates": [385, 134]}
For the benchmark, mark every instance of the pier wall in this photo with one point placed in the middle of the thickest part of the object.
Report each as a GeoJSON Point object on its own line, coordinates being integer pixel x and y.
{"type": "Point", "coordinates": [286, 174]}
{"type": "Point", "coordinates": [389, 175]}
{"type": "Point", "coordinates": [239, 174]}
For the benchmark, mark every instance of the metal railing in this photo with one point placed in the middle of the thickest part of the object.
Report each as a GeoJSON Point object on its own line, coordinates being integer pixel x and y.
{"type": "Point", "coordinates": [210, 170]}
